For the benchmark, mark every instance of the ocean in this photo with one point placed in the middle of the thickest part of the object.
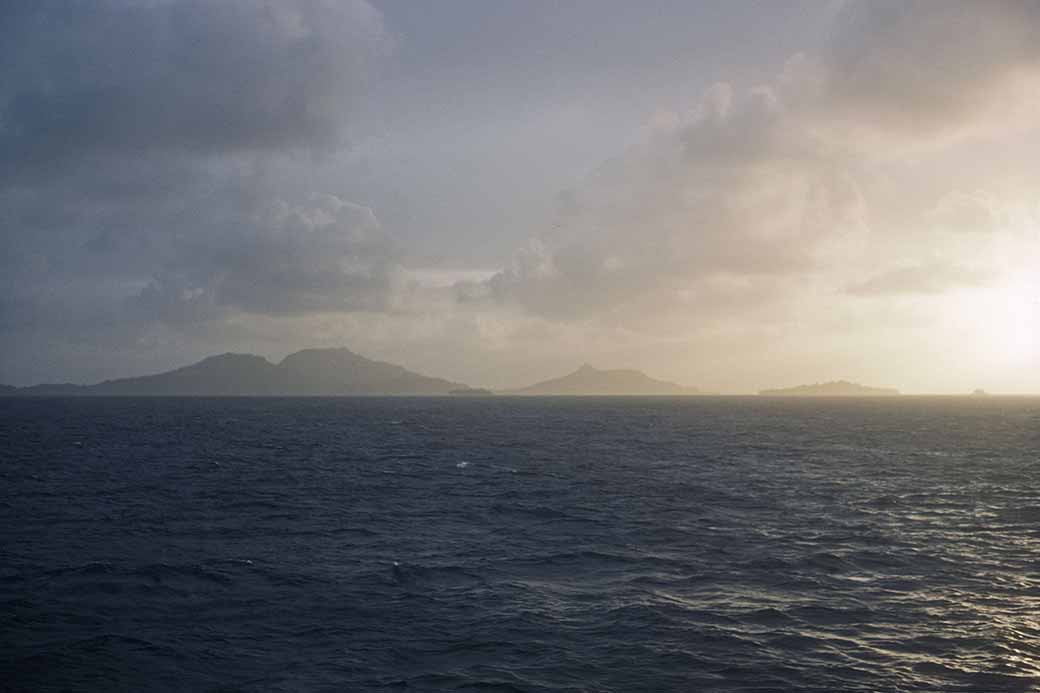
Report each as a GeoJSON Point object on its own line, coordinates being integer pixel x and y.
{"type": "Point", "coordinates": [520, 544]}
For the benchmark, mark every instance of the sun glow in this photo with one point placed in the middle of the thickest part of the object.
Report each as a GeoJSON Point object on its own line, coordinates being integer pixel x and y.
{"type": "Point", "coordinates": [1008, 318]}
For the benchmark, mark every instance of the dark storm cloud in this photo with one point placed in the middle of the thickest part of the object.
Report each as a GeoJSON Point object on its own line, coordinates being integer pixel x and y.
{"type": "Point", "coordinates": [207, 251]}
{"type": "Point", "coordinates": [116, 77]}
{"type": "Point", "coordinates": [326, 255]}
{"type": "Point", "coordinates": [142, 152]}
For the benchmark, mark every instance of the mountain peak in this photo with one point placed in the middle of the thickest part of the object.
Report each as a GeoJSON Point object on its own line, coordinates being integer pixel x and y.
{"type": "Point", "coordinates": [337, 370]}
{"type": "Point", "coordinates": [229, 360]}
{"type": "Point", "coordinates": [593, 381]}
{"type": "Point", "coordinates": [320, 356]}
{"type": "Point", "coordinates": [232, 356]}
{"type": "Point", "coordinates": [323, 350]}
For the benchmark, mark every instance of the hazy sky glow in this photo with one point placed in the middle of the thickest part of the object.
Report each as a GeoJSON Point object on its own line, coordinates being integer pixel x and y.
{"type": "Point", "coordinates": [733, 195]}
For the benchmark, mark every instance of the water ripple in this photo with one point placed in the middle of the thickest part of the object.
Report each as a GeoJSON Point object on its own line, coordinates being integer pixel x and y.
{"type": "Point", "coordinates": [719, 544]}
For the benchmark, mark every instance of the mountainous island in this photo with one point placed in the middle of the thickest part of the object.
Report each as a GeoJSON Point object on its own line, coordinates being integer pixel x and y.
{"type": "Point", "coordinates": [332, 372]}
{"type": "Point", "coordinates": [317, 372]}
{"type": "Point", "coordinates": [837, 388]}
{"type": "Point", "coordinates": [592, 381]}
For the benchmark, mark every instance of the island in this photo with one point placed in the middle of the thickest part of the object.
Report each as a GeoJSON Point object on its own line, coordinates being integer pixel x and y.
{"type": "Point", "coordinates": [334, 372]}
{"type": "Point", "coordinates": [837, 388]}
{"type": "Point", "coordinates": [472, 392]}
{"type": "Point", "coordinates": [593, 381]}
{"type": "Point", "coordinates": [309, 373]}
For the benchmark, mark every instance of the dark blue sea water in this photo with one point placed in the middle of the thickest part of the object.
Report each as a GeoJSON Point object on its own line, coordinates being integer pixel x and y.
{"type": "Point", "coordinates": [505, 544]}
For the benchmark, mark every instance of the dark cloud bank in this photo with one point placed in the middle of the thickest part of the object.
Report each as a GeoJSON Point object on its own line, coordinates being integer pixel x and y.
{"type": "Point", "coordinates": [142, 146]}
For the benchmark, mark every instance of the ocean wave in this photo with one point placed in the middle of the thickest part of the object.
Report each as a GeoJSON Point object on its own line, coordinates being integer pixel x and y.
{"type": "Point", "coordinates": [665, 546]}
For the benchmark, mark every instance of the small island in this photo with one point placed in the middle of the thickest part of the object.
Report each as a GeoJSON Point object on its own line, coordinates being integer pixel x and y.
{"type": "Point", "coordinates": [472, 392]}
{"type": "Point", "coordinates": [838, 388]}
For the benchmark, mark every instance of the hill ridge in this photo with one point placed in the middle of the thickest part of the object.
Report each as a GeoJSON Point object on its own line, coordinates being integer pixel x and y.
{"type": "Point", "coordinates": [307, 372]}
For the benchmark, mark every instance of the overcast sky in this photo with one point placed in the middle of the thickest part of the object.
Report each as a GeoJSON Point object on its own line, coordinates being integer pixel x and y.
{"type": "Point", "coordinates": [732, 195]}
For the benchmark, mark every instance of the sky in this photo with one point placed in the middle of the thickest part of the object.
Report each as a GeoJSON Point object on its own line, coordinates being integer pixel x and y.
{"type": "Point", "coordinates": [732, 195]}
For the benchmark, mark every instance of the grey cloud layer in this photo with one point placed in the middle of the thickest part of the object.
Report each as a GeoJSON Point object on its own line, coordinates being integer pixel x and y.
{"type": "Point", "coordinates": [143, 150]}
{"type": "Point", "coordinates": [764, 183]}
{"type": "Point", "coordinates": [926, 68]}
{"type": "Point", "coordinates": [137, 78]}
{"type": "Point", "coordinates": [739, 191]}
{"type": "Point", "coordinates": [327, 255]}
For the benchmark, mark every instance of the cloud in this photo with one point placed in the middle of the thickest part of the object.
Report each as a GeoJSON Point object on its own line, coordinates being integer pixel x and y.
{"type": "Point", "coordinates": [931, 69]}
{"type": "Point", "coordinates": [174, 180]}
{"type": "Point", "coordinates": [966, 213]}
{"type": "Point", "coordinates": [114, 77]}
{"type": "Point", "coordinates": [326, 255]}
{"type": "Point", "coordinates": [759, 190]}
{"type": "Point", "coordinates": [735, 196]}
{"type": "Point", "coordinates": [264, 257]}
{"type": "Point", "coordinates": [149, 165]}
{"type": "Point", "coordinates": [932, 278]}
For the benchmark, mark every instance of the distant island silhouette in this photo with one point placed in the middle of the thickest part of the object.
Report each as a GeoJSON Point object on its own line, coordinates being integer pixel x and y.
{"type": "Point", "coordinates": [311, 372]}
{"type": "Point", "coordinates": [592, 381]}
{"type": "Point", "coordinates": [837, 388]}
{"type": "Point", "coordinates": [472, 392]}
{"type": "Point", "coordinates": [338, 371]}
